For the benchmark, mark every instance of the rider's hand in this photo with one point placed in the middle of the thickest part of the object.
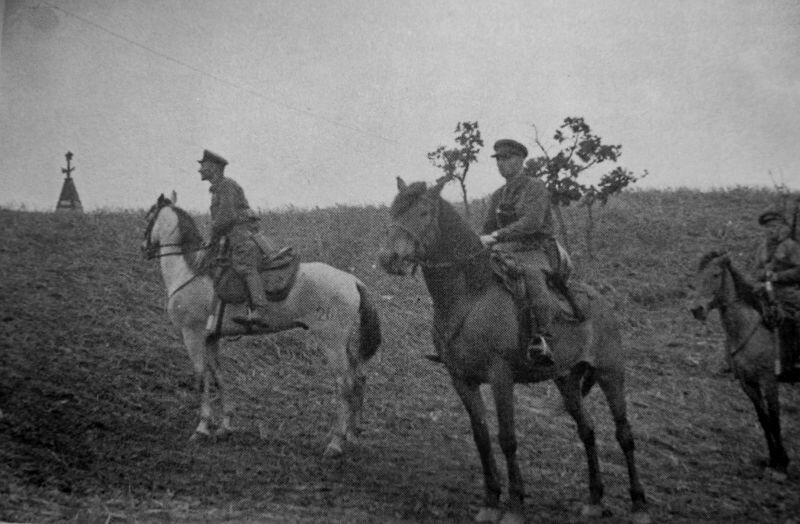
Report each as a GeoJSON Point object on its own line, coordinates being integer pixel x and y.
{"type": "Point", "coordinates": [488, 240]}
{"type": "Point", "coordinates": [769, 276]}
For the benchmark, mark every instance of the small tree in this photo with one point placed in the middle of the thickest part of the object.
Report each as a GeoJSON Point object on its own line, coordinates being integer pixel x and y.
{"type": "Point", "coordinates": [455, 162]}
{"type": "Point", "coordinates": [580, 150]}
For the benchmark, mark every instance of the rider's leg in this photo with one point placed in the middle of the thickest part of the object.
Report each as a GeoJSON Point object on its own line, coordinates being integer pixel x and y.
{"type": "Point", "coordinates": [245, 257]}
{"type": "Point", "coordinates": [542, 312]}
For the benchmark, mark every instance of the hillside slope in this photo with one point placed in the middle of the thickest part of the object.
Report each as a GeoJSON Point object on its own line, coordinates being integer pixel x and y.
{"type": "Point", "coordinates": [97, 400]}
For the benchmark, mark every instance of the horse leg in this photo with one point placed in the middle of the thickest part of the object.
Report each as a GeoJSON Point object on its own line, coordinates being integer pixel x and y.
{"type": "Point", "coordinates": [195, 342]}
{"type": "Point", "coordinates": [503, 390]}
{"type": "Point", "coordinates": [753, 390]}
{"type": "Point", "coordinates": [613, 386]}
{"type": "Point", "coordinates": [349, 391]}
{"type": "Point", "coordinates": [470, 395]}
{"type": "Point", "coordinates": [569, 386]}
{"type": "Point", "coordinates": [778, 460]}
{"type": "Point", "coordinates": [212, 347]}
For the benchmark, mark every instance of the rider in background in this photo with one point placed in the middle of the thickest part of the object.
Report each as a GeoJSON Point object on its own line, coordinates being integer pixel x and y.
{"type": "Point", "coordinates": [777, 269]}
{"type": "Point", "coordinates": [520, 221]}
{"type": "Point", "coordinates": [232, 217]}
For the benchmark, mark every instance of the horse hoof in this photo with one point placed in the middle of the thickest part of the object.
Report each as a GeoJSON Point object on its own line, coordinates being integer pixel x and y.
{"type": "Point", "coordinates": [594, 511]}
{"type": "Point", "coordinates": [488, 515]}
{"type": "Point", "coordinates": [333, 451]}
{"type": "Point", "coordinates": [199, 435]}
{"type": "Point", "coordinates": [776, 475]}
{"type": "Point", "coordinates": [222, 433]}
{"type": "Point", "coordinates": [640, 517]}
{"type": "Point", "coordinates": [512, 517]}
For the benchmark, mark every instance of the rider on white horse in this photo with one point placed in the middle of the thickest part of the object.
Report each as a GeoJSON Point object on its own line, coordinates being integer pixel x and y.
{"type": "Point", "coordinates": [232, 217]}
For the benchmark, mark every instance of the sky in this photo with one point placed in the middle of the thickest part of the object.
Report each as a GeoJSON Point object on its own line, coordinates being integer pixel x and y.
{"type": "Point", "coordinates": [325, 103]}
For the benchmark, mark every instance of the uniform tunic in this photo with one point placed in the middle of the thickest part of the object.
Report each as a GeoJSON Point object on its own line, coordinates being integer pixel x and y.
{"type": "Point", "coordinates": [521, 217]}
{"type": "Point", "coordinates": [231, 216]}
{"type": "Point", "coordinates": [784, 261]}
{"type": "Point", "coordinates": [229, 206]}
{"type": "Point", "coordinates": [520, 211]}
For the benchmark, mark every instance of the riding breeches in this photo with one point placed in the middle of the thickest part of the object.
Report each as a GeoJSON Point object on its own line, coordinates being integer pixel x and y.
{"type": "Point", "coordinates": [245, 258]}
{"type": "Point", "coordinates": [534, 264]}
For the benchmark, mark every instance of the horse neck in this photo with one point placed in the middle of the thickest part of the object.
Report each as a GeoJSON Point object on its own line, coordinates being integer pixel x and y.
{"type": "Point", "coordinates": [454, 271]}
{"type": "Point", "coordinates": [174, 269]}
{"type": "Point", "coordinates": [736, 315]}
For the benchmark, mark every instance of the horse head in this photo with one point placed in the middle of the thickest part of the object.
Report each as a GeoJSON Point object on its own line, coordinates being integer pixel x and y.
{"type": "Point", "coordinates": [159, 228]}
{"type": "Point", "coordinates": [709, 286]}
{"type": "Point", "coordinates": [414, 228]}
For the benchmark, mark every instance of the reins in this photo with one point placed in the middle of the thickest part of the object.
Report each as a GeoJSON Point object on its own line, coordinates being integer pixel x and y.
{"type": "Point", "coordinates": [151, 251]}
{"type": "Point", "coordinates": [725, 304]}
{"type": "Point", "coordinates": [417, 238]}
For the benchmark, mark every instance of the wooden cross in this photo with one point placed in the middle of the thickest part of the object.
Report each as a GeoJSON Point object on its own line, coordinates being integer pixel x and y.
{"type": "Point", "coordinates": [68, 170]}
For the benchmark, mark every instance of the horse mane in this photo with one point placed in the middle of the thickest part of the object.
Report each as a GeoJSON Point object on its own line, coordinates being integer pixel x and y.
{"type": "Point", "coordinates": [465, 245]}
{"type": "Point", "coordinates": [407, 198]}
{"type": "Point", "coordinates": [198, 259]}
{"type": "Point", "coordinates": [744, 290]}
{"type": "Point", "coordinates": [706, 259]}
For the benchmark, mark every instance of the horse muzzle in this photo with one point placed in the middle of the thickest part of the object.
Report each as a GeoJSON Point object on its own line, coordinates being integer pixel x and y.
{"type": "Point", "coordinates": [700, 312]}
{"type": "Point", "coordinates": [392, 263]}
{"type": "Point", "coordinates": [148, 250]}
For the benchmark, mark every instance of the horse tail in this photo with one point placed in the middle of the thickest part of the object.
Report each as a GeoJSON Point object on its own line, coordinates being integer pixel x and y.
{"type": "Point", "coordinates": [370, 324]}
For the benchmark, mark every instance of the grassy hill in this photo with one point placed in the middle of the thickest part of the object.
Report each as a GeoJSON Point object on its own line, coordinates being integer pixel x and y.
{"type": "Point", "coordinates": [97, 400]}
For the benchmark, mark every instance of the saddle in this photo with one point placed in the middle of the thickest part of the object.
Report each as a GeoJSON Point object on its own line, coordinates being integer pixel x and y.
{"type": "Point", "coordinates": [572, 299]}
{"type": "Point", "coordinates": [278, 273]}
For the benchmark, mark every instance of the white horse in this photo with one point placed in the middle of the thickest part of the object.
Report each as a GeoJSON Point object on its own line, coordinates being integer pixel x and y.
{"type": "Point", "coordinates": [333, 305]}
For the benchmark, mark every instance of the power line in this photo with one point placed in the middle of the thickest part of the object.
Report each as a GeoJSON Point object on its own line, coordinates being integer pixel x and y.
{"type": "Point", "coordinates": [220, 79]}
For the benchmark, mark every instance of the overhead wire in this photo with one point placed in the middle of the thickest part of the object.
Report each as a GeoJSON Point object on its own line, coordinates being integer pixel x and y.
{"type": "Point", "coordinates": [237, 85]}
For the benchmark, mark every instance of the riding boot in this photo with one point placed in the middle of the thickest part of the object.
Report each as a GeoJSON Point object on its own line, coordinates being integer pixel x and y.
{"type": "Point", "coordinates": [538, 352]}
{"type": "Point", "coordinates": [258, 301]}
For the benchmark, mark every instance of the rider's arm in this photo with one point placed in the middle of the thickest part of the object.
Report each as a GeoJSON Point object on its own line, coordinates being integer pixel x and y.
{"type": "Point", "coordinates": [532, 208]}
{"type": "Point", "coordinates": [226, 212]}
{"type": "Point", "coordinates": [490, 224]}
{"type": "Point", "coordinates": [790, 272]}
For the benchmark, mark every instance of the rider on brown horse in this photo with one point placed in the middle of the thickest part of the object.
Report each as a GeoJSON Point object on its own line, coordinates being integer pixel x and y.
{"type": "Point", "coordinates": [778, 273]}
{"type": "Point", "coordinates": [232, 217]}
{"type": "Point", "coordinates": [519, 221]}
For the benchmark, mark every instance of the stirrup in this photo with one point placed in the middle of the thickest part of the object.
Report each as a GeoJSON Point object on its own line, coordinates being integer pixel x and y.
{"type": "Point", "coordinates": [435, 358]}
{"type": "Point", "coordinates": [542, 354]}
{"type": "Point", "coordinates": [251, 320]}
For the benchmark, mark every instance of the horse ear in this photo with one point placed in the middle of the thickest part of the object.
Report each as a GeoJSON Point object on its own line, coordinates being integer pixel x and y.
{"type": "Point", "coordinates": [440, 183]}
{"type": "Point", "coordinates": [401, 184]}
{"type": "Point", "coordinates": [160, 199]}
{"type": "Point", "coordinates": [174, 196]}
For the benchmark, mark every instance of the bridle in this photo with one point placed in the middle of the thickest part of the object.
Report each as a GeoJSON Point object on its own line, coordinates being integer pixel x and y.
{"type": "Point", "coordinates": [151, 249]}
{"type": "Point", "coordinates": [719, 302]}
{"type": "Point", "coordinates": [429, 235]}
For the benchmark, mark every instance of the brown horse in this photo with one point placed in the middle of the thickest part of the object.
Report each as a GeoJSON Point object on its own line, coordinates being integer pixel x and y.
{"type": "Point", "coordinates": [750, 344]}
{"type": "Point", "coordinates": [476, 330]}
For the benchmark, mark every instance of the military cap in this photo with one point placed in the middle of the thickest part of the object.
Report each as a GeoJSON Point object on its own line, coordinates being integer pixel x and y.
{"type": "Point", "coordinates": [770, 216]}
{"type": "Point", "coordinates": [208, 156]}
{"type": "Point", "coordinates": [507, 147]}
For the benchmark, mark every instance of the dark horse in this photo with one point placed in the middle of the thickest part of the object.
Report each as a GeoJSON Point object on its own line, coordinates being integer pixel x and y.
{"type": "Point", "coordinates": [476, 331]}
{"type": "Point", "coordinates": [750, 344]}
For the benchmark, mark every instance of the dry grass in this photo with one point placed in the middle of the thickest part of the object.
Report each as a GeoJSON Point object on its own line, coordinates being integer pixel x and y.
{"type": "Point", "coordinates": [96, 399]}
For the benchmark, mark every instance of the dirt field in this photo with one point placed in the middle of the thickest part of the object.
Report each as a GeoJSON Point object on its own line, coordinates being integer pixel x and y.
{"type": "Point", "coordinates": [97, 401]}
